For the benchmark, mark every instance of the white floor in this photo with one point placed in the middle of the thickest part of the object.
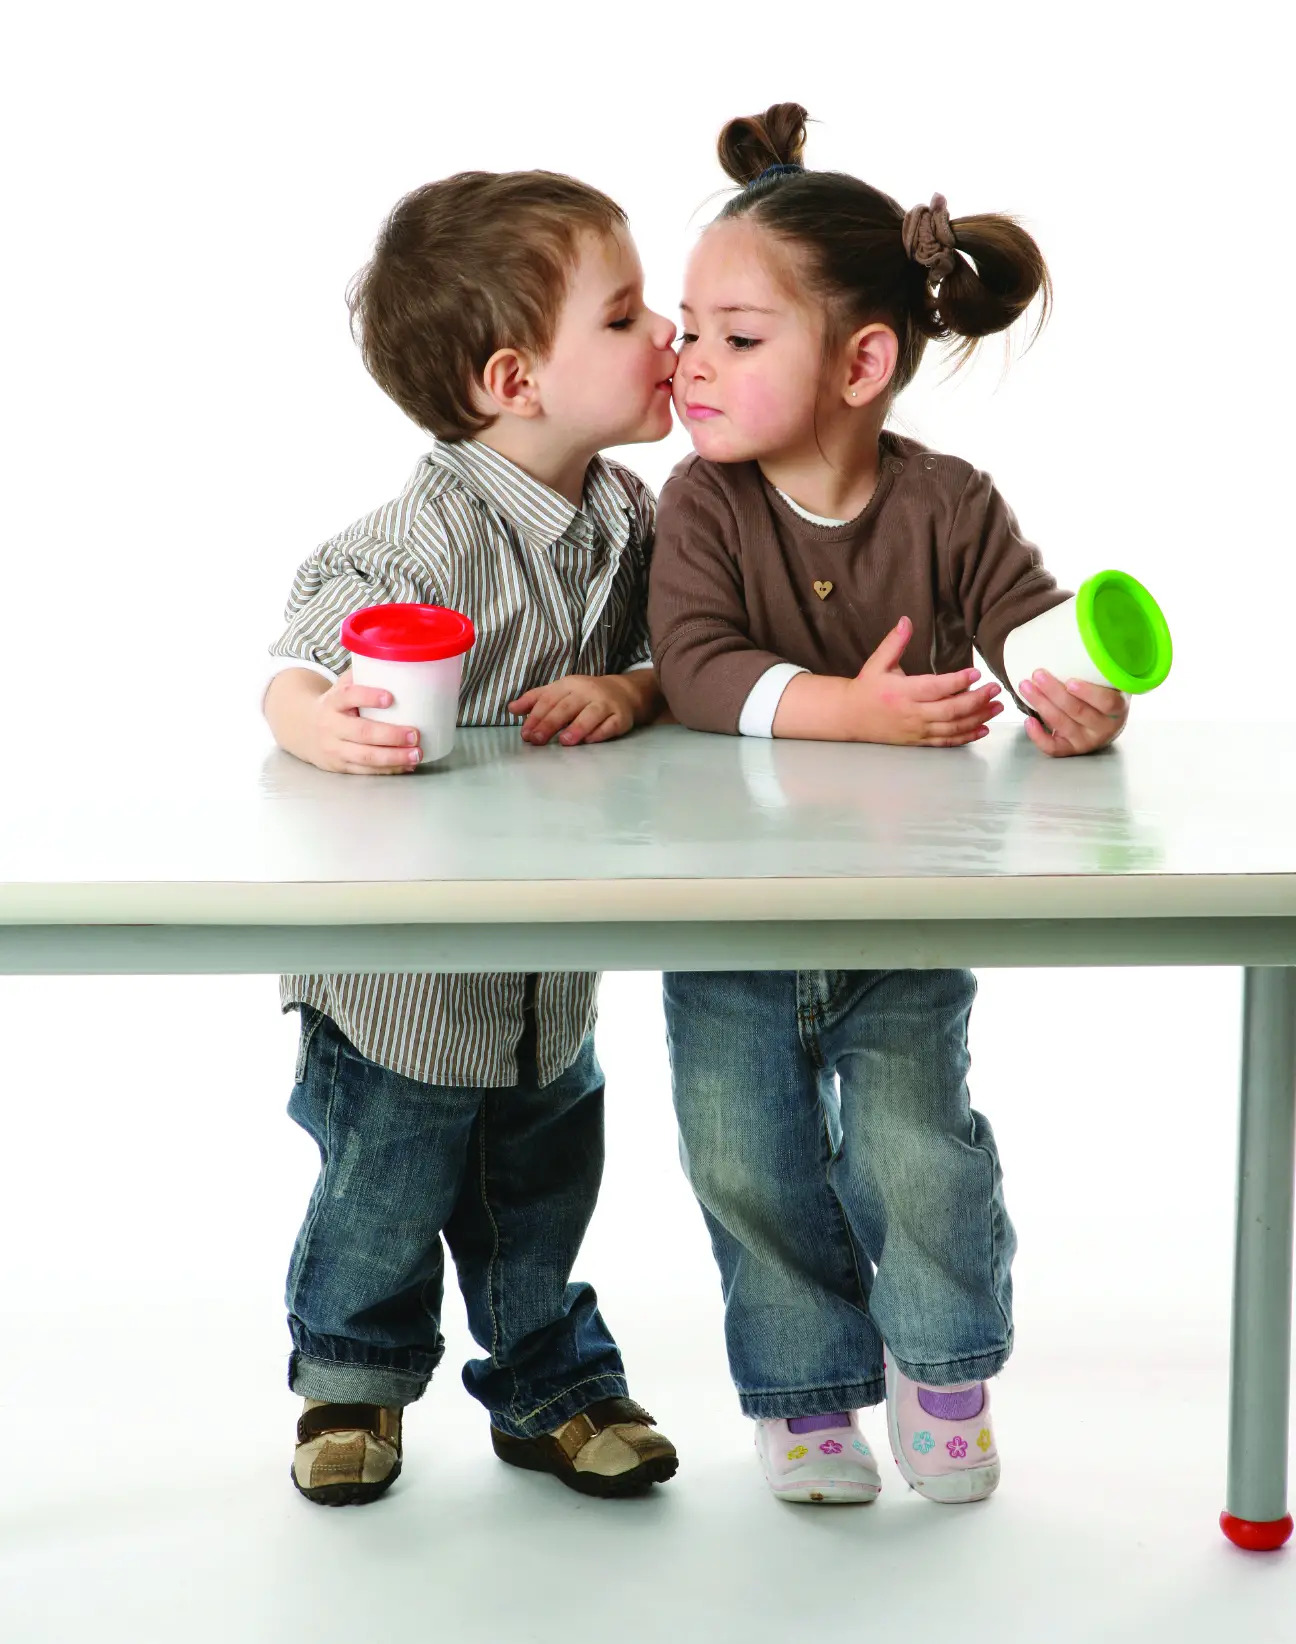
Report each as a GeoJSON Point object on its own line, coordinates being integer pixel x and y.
{"type": "Point", "coordinates": [151, 1188]}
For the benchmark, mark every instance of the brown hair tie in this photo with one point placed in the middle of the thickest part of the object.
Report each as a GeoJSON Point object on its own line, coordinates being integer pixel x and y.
{"type": "Point", "coordinates": [928, 238]}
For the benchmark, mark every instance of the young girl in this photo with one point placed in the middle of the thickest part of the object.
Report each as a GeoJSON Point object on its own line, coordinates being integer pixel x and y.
{"type": "Point", "coordinates": [852, 1195]}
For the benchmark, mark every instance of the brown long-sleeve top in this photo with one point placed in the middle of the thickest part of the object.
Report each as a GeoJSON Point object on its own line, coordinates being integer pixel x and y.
{"type": "Point", "coordinates": [734, 574]}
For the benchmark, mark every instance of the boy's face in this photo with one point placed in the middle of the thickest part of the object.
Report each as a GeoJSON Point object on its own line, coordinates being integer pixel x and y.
{"type": "Point", "coordinates": [747, 380]}
{"type": "Point", "coordinates": [607, 380]}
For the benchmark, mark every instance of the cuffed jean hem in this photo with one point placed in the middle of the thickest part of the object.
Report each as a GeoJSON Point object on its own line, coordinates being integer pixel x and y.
{"type": "Point", "coordinates": [954, 1372]}
{"type": "Point", "coordinates": [340, 1381]}
{"type": "Point", "coordinates": [562, 1407]}
{"type": "Point", "coordinates": [812, 1401]}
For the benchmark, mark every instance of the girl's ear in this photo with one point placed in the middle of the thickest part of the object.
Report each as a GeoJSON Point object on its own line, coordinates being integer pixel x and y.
{"type": "Point", "coordinates": [871, 355]}
{"type": "Point", "coordinates": [508, 384]}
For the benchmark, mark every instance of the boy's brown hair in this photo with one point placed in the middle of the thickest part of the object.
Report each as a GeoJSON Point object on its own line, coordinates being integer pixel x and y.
{"type": "Point", "coordinates": [463, 267]}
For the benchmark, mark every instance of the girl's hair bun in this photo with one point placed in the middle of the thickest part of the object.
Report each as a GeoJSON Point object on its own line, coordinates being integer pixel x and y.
{"type": "Point", "coordinates": [754, 142]}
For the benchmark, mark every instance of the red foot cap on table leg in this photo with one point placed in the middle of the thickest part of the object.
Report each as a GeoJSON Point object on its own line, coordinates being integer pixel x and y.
{"type": "Point", "coordinates": [1256, 1538]}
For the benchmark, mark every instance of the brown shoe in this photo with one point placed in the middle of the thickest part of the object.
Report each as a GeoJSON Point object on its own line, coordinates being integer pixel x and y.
{"type": "Point", "coordinates": [609, 1449]}
{"type": "Point", "coordinates": [346, 1454]}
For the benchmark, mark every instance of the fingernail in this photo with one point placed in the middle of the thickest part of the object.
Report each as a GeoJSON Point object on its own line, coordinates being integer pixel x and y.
{"type": "Point", "coordinates": [412, 755]}
{"type": "Point", "coordinates": [1039, 676]}
{"type": "Point", "coordinates": [384, 701]}
{"type": "Point", "coordinates": [1026, 687]}
{"type": "Point", "coordinates": [411, 736]}
{"type": "Point", "coordinates": [1073, 684]}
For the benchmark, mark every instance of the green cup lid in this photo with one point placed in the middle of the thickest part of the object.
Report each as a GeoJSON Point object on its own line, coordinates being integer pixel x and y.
{"type": "Point", "coordinates": [1124, 631]}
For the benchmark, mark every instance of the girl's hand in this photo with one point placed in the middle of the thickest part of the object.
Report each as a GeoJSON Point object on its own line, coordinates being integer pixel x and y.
{"type": "Point", "coordinates": [884, 704]}
{"type": "Point", "coordinates": [1078, 718]}
{"type": "Point", "coordinates": [591, 707]}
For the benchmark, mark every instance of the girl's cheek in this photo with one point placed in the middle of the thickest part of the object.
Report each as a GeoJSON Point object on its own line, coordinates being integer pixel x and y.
{"type": "Point", "coordinates": [763, 407]}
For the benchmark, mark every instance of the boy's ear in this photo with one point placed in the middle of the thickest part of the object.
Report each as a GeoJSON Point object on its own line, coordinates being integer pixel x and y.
{"type": "Point", "coordinates": [871, 358]}
{"type": "Point", "coordinates": [509, 384]}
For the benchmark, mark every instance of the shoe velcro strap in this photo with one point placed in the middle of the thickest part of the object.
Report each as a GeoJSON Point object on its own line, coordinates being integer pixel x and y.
{"type": "Point", "coordinates": [346, 1418]}
{"type": "Point", "coordinates": [574, 1435]}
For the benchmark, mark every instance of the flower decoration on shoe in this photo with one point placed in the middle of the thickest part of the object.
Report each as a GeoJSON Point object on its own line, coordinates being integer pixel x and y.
{"type": "Point", "coordinates": [957, 1447]}
{"type": "Point", "coordinates": [797, 1451]}
{"type": "Point", "coordinates": [924, 1443]}
{"type": "Point", "coordinates": [863, 1448]}
{"type": "Point", "coordinates": [984, 1439]}
{"type": "Point", "coordinates": [830, 1447]}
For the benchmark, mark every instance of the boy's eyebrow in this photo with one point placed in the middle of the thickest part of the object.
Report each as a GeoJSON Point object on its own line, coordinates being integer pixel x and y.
{"type": "Point", "coordinates": [618, 296]}
{"type": "Point", "coordinates": [732, 308]}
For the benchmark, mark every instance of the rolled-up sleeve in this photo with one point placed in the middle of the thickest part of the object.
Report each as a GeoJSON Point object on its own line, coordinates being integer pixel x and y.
{"type": "Point", "coordinates": [345, 575]}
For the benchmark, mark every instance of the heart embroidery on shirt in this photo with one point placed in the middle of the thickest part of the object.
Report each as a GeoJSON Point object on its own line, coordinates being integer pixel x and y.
{"type": "Point", "coordinates": [823, 589]}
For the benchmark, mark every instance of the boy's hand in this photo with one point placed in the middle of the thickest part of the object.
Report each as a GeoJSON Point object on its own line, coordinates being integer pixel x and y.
{"type": "Point", "coordinates": [591, 707]}
{"type": "Point", "coordinates": [323, 725]}
{"type": "Point", "coordinates": [883, 704]}
{"type": "Point", "coordinates": [1078, 718]}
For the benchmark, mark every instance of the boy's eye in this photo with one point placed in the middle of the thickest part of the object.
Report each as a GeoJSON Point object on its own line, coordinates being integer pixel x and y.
{"type": "Point", "coordinates": [742, 344]}
{"type": "Point", "coordinates": [620, 325]}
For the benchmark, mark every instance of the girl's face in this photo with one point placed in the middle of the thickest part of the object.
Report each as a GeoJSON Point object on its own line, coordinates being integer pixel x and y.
{"type": "Point", "coordinates": [750, 357]}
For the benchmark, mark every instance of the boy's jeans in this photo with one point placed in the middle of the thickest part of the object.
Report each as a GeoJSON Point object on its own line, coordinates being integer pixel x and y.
{"type": "Point", "coordinates": [508, 1176]}
{"type": "Point", "coordinates": [843, 1211]}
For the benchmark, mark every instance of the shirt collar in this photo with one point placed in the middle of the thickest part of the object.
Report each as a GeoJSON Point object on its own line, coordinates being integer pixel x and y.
{"type": "Point", "coordinates": [538, 514]}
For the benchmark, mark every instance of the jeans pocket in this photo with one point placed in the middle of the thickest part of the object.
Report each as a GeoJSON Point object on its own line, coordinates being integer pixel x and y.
{"type": "Point", "coordinates": [310, 1020]}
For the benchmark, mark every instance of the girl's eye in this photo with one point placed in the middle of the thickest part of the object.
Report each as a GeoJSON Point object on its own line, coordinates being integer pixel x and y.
{"type": "Point", "coordinates": [686, 337]}
{"type": "Point", "coordinates": [743, 344]}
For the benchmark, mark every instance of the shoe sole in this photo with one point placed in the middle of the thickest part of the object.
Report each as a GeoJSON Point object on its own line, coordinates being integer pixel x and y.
{"type": "Point", "coordinates": [345, 1495]}
{"type": "Point", "coordinates": [519, 1453]}
{"type": "Point", "coordinates": [831, 1493]}
{"type": "Point", "coordinates": [953, 1489]}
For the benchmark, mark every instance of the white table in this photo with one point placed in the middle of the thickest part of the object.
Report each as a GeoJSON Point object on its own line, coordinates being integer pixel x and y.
{"type": "Point", "coordinates": [673, 850]}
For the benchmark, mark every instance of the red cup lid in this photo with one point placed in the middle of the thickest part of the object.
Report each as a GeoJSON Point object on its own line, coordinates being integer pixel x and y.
{"type": "Point", "coordinates": [408, 633]}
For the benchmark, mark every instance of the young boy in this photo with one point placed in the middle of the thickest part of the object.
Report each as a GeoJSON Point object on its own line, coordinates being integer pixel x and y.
{"type": "Point", "coordinates": [504, 313]}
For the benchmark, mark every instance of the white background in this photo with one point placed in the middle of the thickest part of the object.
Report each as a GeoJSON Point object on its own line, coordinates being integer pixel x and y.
{"type": "Point", "coordinates": [187, 193]}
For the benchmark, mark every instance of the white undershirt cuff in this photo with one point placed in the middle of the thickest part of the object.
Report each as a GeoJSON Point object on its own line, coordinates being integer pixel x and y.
{"type": "Point", "coordinates": [757, 717]}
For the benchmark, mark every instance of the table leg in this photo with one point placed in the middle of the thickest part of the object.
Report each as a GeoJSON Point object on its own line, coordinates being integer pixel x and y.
{"type": "Point", "coordinates": [1257, 1516]}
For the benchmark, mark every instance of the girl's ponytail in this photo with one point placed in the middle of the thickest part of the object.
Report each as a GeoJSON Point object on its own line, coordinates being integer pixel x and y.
{"type": "Point", "coordinates": [990, 272]}
{"type": "Point", "coordinates": [753, 143]}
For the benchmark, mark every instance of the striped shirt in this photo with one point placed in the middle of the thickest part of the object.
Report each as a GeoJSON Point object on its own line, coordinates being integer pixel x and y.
{"type": "Point", "coordinates": [551, 589]}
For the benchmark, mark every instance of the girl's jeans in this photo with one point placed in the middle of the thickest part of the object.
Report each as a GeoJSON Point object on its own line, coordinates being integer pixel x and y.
{"type": "Point", "coordinates": [852, 1195]}
{"type": "Point", "coordinates": [509, 1178]}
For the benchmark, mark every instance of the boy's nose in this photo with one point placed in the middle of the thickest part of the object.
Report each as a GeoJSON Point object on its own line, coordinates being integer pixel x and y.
{"type": "Point", "coordinates": [665, 331]}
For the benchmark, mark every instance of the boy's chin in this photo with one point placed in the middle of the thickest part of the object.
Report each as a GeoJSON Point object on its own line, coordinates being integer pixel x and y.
{"type": "Point", "coordinates": [655, 426]}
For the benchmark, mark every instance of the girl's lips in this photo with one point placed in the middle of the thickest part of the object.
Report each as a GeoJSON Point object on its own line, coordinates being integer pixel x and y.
{"type": "Point", "coordinates": [699, 413]}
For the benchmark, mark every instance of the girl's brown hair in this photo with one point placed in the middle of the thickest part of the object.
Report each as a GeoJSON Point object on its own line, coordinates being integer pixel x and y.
{"type": "Point", "coordinates": [853, 250]}
{"type": "Point", "coordinates": [463, 267]}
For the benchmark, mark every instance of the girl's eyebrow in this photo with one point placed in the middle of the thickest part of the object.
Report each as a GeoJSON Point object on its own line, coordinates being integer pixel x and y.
{"type": "Point", "coordinates": [732, 308]}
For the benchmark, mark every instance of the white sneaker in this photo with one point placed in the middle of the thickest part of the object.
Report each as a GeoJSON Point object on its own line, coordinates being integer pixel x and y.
{"type": "Point", "coordinates": [833, 1465]}
{"type": "Point", "coordinates": [946, 1461]}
